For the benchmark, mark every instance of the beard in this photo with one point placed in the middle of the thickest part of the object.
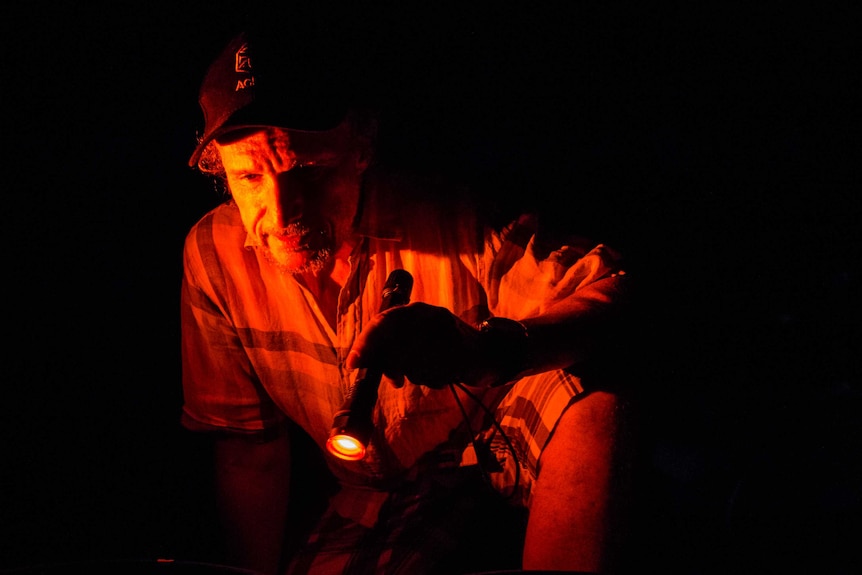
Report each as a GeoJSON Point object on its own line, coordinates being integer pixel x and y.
{"type": "Point", "coordinates": [314, 263]}
{"type": "Point", "coordinates": [298, 249]}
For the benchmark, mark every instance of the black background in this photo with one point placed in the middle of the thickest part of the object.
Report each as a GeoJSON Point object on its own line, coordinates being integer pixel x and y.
{"type": "Point", "coordinates": [717, 145]}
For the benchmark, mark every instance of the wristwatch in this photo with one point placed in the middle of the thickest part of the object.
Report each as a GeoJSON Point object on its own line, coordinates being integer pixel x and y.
{"type": "Point", "coordinates": [505, 345]}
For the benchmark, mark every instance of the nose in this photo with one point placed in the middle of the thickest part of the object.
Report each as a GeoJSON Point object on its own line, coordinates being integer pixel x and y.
{"type": "Point", "coordinates": [288, 199]}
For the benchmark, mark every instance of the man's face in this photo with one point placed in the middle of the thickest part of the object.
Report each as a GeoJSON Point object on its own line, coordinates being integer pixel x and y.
{"type": "Point", "coordinates": [297, 192]}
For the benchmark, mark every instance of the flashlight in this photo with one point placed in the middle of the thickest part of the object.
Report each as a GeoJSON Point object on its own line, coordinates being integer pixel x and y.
{"type": "Point", "coordinates": [352, 425]}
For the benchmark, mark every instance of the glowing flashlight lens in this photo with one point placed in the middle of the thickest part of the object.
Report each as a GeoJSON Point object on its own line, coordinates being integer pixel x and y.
{"type": "Point", "coordinates": [346, 447]}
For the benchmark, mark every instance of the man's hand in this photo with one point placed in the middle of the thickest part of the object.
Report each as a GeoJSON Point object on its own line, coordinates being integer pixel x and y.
{"type": "Point", "coordinates": [427, 344]}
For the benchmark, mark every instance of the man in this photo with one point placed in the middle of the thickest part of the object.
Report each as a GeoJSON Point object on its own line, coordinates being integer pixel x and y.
{"type": "Point", "coordinates": [480, 405]}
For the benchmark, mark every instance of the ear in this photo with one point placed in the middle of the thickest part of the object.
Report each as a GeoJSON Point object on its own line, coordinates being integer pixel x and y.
{"type": "Point", "coordinates": [364, 156]}
{"type": "Point", "coordinates": [364, 125]}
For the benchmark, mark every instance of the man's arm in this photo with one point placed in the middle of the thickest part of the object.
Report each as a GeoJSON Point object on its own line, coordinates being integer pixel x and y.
{"type": "Point", "coordinates": [252, 481]}
{"type": "Point", "coordinates": [447, 349]}
{"type": "Point", "coordinates": [577, 327]}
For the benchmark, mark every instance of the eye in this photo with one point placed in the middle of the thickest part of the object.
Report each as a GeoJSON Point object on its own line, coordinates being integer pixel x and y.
{"type": "Point", "coordinates": [249, 177]}
{"type": "Point", "coordinates": [313, 171]}
{"type": "Point", "coordinates": [245, 182]}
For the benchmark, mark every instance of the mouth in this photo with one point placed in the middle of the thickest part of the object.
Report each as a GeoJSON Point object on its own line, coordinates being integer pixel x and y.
{"type": "Point", "coordinates": [292, 243]}
{"type": "Point", "coordinates": [298, 248]}
{"type": "Point", "coordinates": [301, 240]}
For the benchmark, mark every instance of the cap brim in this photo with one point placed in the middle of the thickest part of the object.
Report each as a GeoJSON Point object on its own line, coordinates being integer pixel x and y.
{"type": "Point", "coordinates": [314, 120]}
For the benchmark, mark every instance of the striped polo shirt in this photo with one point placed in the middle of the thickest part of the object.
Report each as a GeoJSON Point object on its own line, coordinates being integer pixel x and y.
{"type": "Point", "coordinates": [257, 349]}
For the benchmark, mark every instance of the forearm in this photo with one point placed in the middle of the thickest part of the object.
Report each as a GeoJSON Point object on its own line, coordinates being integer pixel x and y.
{"type": "Point", "coordinates": [252, 482]}
{"type": "Point", "coordinates": [571, 331]}
{"type": "Point", "coordinates": [564, 338]}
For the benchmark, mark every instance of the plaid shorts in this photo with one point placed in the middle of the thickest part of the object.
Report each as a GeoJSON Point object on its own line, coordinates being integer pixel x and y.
{"type": "Point", "coordinates": [451, 519]}
{"type": "Point", "coordinates": [443, 524]}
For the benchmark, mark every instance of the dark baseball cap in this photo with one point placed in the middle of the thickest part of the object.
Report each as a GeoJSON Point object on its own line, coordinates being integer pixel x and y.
{"type": "Point", "coordinates": [262, 80]}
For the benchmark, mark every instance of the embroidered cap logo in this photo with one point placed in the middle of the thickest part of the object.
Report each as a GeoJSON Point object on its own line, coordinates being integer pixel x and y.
{"type": "Point", "coordinates": [243, 66]}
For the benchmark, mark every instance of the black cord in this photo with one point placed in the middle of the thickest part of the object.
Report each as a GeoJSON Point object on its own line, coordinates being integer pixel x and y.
{"type": "Point", "coordinates": [474, 441]}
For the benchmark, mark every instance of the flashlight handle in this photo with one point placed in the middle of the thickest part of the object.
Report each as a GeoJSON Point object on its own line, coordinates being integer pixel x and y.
{"type": "Point", "coordinates": [355, 416]}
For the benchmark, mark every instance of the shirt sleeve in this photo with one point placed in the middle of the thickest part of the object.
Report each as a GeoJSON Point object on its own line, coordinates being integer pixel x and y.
{"type": "Point", "coordinates": [527, 278]}
{"type": "Point", "coordinates": [220, 388]}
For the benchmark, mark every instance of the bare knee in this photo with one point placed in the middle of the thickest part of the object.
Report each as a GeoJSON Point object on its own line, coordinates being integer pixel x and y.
{"type": "Point", "coordinates": [575, 500]}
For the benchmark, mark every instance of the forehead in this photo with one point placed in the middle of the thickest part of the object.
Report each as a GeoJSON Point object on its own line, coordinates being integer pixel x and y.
{"type": "Point", "coordinates": [282, 143]}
